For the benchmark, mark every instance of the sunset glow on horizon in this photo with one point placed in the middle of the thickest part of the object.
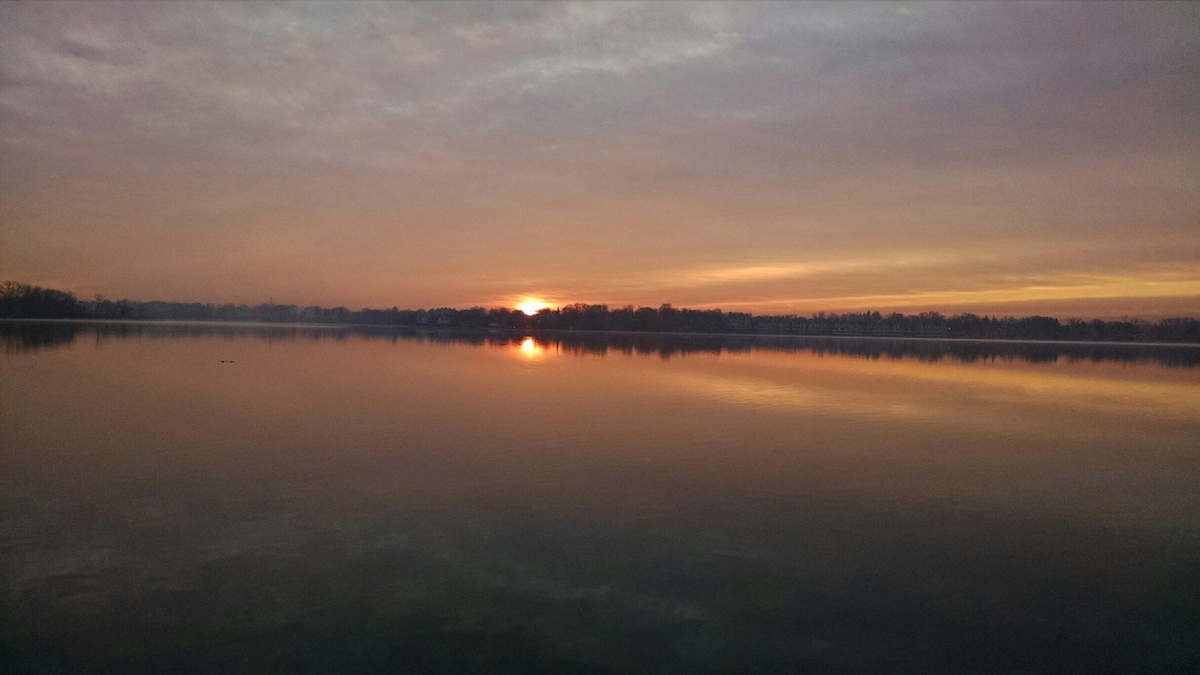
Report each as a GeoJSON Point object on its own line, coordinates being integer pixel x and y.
{"type": "Point", "coordinates": [991, 157]}
{"type": "Point", "coordinates": [530, 307]}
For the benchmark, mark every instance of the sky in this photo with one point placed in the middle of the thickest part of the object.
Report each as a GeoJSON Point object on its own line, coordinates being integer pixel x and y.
{"type": "Point", "coordinates": [997, 158]}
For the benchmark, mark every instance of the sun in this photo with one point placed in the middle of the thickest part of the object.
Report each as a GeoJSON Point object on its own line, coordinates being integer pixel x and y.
{"type": "Point", "coordinates": [531, 306]}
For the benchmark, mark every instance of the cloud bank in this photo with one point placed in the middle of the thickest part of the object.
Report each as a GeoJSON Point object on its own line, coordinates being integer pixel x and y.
{"type": "Point", "coordinates": [762, 156]}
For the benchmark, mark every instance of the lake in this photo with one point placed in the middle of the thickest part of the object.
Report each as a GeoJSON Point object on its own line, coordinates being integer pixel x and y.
{"type": "Point", "coordinates": [223, 498]}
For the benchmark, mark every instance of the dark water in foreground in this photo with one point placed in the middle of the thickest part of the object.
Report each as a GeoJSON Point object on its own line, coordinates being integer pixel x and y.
{"type": "Point", "coordinates": [200, 499]}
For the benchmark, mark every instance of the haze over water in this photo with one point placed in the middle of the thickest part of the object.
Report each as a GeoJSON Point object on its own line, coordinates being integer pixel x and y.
{"type": "Point", "coordinates": [214, 498]}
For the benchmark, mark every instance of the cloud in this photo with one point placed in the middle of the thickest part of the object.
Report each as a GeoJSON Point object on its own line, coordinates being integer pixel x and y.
{"type": "Point", "coordinates": [1180, 287]}
{"type": "Point", "coordinates": [701, 146]}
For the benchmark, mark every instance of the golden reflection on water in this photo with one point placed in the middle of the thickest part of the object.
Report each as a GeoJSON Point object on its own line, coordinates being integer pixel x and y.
{"type": "Point", "coordinates": [1103, 442]}
{"type": "Point", "coordinates": [530, 349]}
{"type": "Point", "coordinates": [889, 387]}
{"type": "Point", "coordinates": [441, 474]}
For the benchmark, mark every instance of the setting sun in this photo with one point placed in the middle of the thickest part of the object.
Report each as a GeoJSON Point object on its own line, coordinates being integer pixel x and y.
{"type": "Point", "coordinates": [531, 306]}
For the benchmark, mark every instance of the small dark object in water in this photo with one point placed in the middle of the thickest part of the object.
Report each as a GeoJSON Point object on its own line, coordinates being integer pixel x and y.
{"type": "Point", "coordinates": [226, 361]}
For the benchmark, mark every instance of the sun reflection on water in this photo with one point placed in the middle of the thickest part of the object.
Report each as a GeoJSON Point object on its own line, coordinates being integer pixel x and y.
{"type": "Point", "coordinates": [531, 349]}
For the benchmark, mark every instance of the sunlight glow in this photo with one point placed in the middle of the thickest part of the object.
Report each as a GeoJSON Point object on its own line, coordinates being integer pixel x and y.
{"type": "Point", "coordinates": [1073, 287]}
{"type": "Point", "coordinates": [531, 306]}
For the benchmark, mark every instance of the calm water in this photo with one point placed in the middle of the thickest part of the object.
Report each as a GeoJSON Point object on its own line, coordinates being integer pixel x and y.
{"type": "Point", "coordinates": [233, 499]}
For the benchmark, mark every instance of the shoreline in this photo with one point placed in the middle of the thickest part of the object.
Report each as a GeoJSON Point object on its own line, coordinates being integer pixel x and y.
{"type": "Point", "coordinates": [562, 331]}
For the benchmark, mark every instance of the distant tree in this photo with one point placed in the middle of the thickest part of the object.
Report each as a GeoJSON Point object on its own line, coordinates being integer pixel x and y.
{"type": "Point", "coordinates": [18, 301]}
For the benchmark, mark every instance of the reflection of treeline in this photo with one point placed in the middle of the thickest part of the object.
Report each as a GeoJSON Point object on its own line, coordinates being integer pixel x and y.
{"type": "Point", "coordinates": [26, 336]}
{"type": "Point", "coordinates": [666, 346]}
{"type": "Point", "coordinates": [34, 335]}
{"type": "Point", "coordinates": [25, 301]}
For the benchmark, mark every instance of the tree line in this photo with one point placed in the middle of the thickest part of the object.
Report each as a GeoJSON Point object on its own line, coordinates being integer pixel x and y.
{"type": "Point", "coordinates": [25, 301]}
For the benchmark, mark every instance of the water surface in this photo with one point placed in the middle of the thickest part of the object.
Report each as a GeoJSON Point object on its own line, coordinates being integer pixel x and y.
{"type": "Point", "coordinates": [199, 498]}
